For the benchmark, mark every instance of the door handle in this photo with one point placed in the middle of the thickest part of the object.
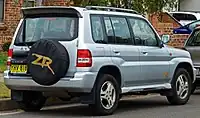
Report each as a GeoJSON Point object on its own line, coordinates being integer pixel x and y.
{"type": "Point", "coordinates": [145, 52]}
{"type": "Point", "coordinates": [116, 51]}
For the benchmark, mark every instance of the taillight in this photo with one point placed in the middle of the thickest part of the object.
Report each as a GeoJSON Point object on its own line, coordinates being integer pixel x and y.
{"type": "Point", "coordinates": [84, 58]}
{"type": "Point", "coordinates": [10, 54]}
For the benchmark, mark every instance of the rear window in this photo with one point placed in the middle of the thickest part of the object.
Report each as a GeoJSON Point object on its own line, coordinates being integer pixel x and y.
{"type": "Point", "coordinates": [52, 28]}
{"type": "Point", "coordinates": [181, 16]}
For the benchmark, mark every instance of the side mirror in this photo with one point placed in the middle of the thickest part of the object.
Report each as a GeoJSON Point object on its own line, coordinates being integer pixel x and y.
{"type": "Point", "coordinates": [165, 38]}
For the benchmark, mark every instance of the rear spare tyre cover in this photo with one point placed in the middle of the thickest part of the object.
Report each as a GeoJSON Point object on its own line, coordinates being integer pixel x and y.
{"type": "Point", "coordinates": [48, 61]}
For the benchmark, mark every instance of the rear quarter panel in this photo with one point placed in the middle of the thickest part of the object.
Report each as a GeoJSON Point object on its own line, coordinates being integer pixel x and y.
{"type": "Point", "coordinates": [101, 53]}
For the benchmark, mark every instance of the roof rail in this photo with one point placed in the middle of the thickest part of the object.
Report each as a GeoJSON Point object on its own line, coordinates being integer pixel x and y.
{"type": "Point", "coordinates": [111, 9]}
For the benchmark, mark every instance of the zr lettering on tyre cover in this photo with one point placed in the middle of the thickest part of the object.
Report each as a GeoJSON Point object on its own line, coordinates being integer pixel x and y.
{"type": "Point", "coordinates": [46, 62]}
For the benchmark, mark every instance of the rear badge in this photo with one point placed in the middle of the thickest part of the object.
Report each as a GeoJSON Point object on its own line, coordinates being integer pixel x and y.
{"type": "Point", "coordinates": [43, 61]}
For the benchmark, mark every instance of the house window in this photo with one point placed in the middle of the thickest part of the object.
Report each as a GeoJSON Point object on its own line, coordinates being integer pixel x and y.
{"type": "Point", "coordinates": [1, 10]}
{"type": "Point", "coordinates": [29, 3]}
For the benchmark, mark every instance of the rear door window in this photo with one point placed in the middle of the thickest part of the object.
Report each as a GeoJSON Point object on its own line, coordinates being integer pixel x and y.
{"type": "Point", "coordinates": [121, 30]}
{"type": "Point", "coordinates": [53, 28]}
{"type": "Point", "coordinates": [111, 30]}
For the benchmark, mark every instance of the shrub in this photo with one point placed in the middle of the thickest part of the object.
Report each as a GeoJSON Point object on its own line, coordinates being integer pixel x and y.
{"type": "Point", "coordinates": [5, 46]}
{"type": "Point", "coordinates": [3, 60]}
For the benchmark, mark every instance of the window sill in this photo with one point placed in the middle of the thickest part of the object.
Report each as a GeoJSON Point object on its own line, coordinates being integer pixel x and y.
{"type": "Point", "coordinates": [3, 26]}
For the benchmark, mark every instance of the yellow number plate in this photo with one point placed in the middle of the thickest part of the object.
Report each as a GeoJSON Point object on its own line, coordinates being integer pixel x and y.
{"type": "Point", "coordinates": [18, 68]}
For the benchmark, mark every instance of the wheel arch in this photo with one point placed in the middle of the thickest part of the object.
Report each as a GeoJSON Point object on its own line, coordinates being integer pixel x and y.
{"type": "Point", "coordinates": [187, 66]}
{"type": "Point", "coordinates": [112, 70]}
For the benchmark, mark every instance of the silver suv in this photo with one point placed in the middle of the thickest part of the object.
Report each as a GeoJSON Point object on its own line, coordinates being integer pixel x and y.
{"type": "Point", "coordinates": [95, 53]}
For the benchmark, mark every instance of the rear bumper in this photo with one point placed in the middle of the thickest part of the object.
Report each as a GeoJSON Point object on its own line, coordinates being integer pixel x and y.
{"type": "Point", "coordinates": [197, 72]}
{"type": "Point", "coordinates": [82, 82]}
{"type": "Point", "coordinates": [198, 77]}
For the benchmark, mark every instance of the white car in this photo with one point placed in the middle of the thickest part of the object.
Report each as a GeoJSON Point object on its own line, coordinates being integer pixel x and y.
{"type": "Point", "coordinates": [185, 18]}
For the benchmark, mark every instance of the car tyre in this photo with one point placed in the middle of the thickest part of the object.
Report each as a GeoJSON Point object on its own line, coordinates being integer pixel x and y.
{"type": "Point", "coordinates": [194, 86]}
{"type": "Point", "coordinates": [33, 101]}
{"type": "Point", "coordinates": [106, 95]}
{"type": "Point", "coordinates": [181, 88]}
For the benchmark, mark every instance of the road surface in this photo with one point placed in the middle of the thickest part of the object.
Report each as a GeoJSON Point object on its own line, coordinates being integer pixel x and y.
{"type": "Point", "coordinates": [148, 107]}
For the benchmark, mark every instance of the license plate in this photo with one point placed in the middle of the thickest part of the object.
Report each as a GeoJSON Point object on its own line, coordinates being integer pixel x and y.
{"type": "Point", "coordinates": [18, 69]}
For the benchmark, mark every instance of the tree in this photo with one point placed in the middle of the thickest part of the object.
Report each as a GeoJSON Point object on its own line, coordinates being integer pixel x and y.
{"type": "Point", "coordinates": [150, 6]}
{"type": "Point", "coordinates": [142, 6]}
{"type": "Point", "coordinates": [113, 3]}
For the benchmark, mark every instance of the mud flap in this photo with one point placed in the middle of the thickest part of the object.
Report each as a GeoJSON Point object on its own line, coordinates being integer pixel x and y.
{"type": "Point", "coordinates": [17, 95]}
{"type": "Point", "coordinates": [88, 98]}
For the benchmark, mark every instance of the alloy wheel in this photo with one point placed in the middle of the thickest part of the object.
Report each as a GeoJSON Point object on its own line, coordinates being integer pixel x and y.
{"type": "Point", "coordinates": [182, 86]}
{"type": "Point", "coordinates": [108, 95]}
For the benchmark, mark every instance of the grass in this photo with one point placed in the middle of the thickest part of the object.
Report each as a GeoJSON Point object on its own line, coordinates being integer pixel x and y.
{"type": "Point", "coordinates": [3, 59]}
{"type": "Point", "coordinates": [4, 91]}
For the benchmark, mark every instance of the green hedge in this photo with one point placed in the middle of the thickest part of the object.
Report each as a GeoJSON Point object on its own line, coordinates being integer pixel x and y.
{"type": "Point", "coordinates": [5, 46]}
{"type": "Point", "coordinates": [3, 59]}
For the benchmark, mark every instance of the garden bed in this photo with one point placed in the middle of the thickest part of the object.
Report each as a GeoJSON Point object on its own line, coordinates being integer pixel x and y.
{"type": "Point", "coordinates": [4, 91]}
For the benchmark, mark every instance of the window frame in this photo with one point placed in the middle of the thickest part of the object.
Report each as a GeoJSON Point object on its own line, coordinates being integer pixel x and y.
{"type": "Point", "coordinates": [104, 26]}
{"type": "Point", "coordinates": [30, 3]}
{"type": "Point", "coordinates": [3, 12]}
{"type": "Point", "coordinates": [151, 27]}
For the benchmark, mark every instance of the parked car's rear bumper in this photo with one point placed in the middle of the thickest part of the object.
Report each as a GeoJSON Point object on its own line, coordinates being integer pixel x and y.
{"type": "Point", "coordinates": [198, 77]}
{"type": "Point", "coordinates": [81, 82]}
{"type": "Point", "coordinates": [197, 72]}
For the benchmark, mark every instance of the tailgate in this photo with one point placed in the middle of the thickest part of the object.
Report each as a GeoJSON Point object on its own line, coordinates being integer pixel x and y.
{"type": "Point", "coordinates": [52, 23]}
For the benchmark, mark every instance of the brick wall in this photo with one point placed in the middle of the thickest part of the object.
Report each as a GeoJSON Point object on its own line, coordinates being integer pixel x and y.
{"type": "Point", "coordinates": [12, 17]}
{"type": "Point", "coordinates": [164, 24]}
{"type": "Point", "coordinates": [57, 2]}
{"type": "Point", "coordinates": [162, 18]}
